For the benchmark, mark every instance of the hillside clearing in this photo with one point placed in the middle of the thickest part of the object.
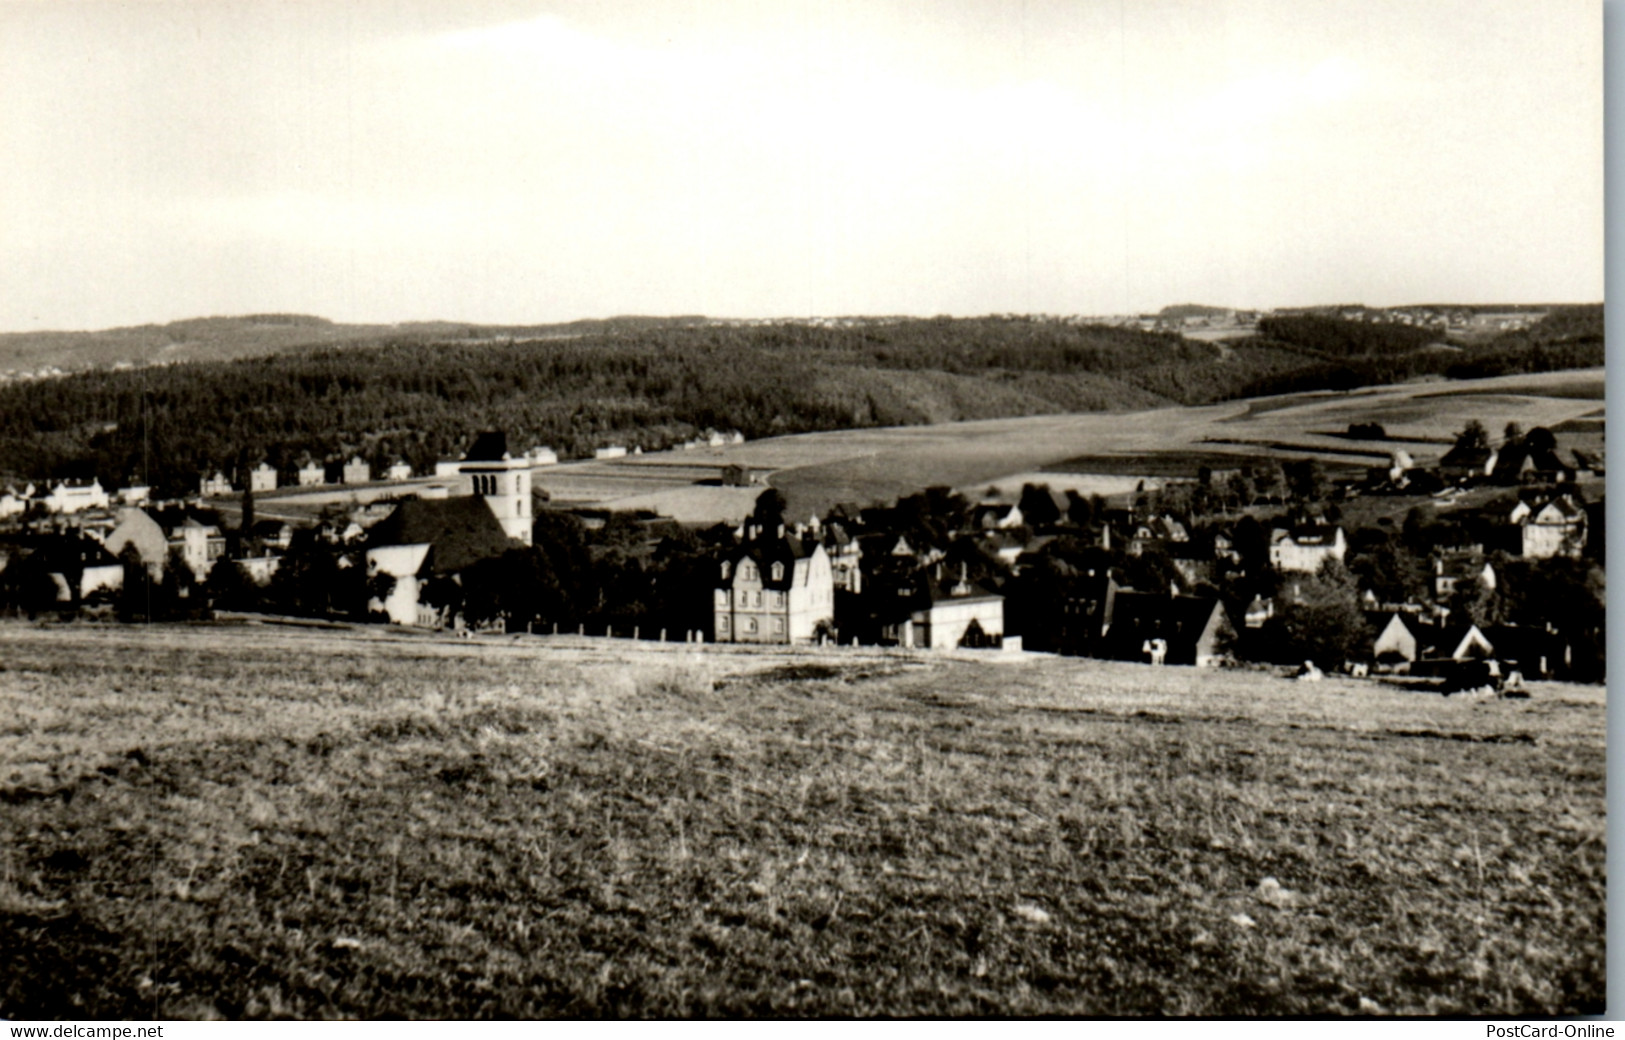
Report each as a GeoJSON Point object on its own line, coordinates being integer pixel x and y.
{"type": "Point", "coordinates": [260, 822]}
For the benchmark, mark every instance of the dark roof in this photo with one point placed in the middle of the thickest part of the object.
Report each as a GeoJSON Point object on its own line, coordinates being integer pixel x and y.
{"type": "Point", "coordinates": [952, 589]}
{"type": "Point", "coordinates": [490, 446]}
{"type": "Point", "coordinates": [462, 531]}
{"type": "Point", "coordinates": [70, 553]}
{"type": "Point", "coordinates": [1442, 641]}
{"type": "Point", "coordinates": [1312, 534]}
{"type": "Point", "coordinates": [1513, 457]}
{"type": "Point", "coordinates": [766, 551]}
{"type": "Point", "coordinates": [1139, 616]}
{"type": "Point", "coordinates": [1475, 458]}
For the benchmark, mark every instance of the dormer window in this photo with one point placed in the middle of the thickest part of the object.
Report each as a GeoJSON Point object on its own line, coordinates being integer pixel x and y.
{"type": "Point", "coordinates": [747, 570]}
{"type": "Point", "coordinates": [726, 567]}
{"type": "Point", "coordinates": [778, 571]}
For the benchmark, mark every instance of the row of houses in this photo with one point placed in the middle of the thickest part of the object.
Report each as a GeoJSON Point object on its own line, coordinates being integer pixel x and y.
{"type": "Point", "coordinates": [66, 497]}
{"type": "Point", "coordinates": [266, 477]}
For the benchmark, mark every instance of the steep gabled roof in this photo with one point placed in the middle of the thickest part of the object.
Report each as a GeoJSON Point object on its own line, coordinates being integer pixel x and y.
{"type": "Point", "coordinates": [462, 531]}
{"type": "Point", "coordinates": [764, 552]}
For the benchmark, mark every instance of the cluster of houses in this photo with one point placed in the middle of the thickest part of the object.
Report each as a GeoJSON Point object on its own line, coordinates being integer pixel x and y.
{"type": "Point", "coordinates": [856, 575]}
{"type": "Point", "coordinates": [84, 559]}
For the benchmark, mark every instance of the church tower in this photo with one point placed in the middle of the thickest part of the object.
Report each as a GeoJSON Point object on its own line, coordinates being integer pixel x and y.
{"type": "Point", "coordinates": [503, 481]}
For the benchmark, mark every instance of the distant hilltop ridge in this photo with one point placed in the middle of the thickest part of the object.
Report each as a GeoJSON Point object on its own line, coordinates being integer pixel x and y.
{"type": "Point", "coordinates": [35, 355]}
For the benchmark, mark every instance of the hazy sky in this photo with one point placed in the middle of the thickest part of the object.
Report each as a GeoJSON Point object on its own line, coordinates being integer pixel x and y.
{"type": "Point", "coordinates": [513, 162]}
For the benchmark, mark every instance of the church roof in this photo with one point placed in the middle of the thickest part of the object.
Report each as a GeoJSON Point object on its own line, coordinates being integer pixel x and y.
{"type": "Point", "coordinates": [461, 531]}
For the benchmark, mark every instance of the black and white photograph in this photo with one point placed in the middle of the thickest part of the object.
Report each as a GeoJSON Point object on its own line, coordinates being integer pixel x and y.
{"type": "Point", "coordinates": [802, 509]}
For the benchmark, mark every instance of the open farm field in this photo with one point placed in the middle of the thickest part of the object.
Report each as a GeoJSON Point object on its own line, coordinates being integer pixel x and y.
{"type": "Point", "coordinates": [817, 470]}
{"type": "Point", "coordinates": [259, 821]}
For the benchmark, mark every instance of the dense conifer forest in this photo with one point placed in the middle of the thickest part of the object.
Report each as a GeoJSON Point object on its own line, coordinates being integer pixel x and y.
{"type": "Point", "coordinates": [651, 383]}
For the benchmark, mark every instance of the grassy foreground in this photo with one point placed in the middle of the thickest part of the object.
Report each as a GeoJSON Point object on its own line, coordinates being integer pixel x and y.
{"type": "Point", "coordinates": [260, 822]}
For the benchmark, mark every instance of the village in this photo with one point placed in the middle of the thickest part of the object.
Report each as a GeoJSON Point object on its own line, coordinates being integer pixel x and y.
{"type": "Point", "coordinates": [1257, 563]}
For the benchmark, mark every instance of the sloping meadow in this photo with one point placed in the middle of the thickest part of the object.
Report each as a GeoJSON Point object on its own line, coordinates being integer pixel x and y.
{"type": "Point", "coordinates": [258, 822]}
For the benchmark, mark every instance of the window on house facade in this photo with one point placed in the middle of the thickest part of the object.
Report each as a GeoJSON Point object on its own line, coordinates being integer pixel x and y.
{"type": "Point", "coordinates": [747, 570]}
{"type": "Point", "coordinates": [778, 625]}
{"type": "Point", "coordinates": [722, 623]}
{"type": "Point", "coordinates": [750, 625]}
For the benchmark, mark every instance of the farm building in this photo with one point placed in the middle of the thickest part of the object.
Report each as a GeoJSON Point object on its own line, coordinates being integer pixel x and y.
{"type": "Point", "coordinates": [134, 495]}
{"type": "Point", "coordinates": [311, 474]}
{"type": "Point", "coordinates": [398, 471]}
{"type": "Point", "coordinates": [262, 478]}
{"type": "Point", "coordinates": [614, 451]}
{"type": "Point", "coordinates": [773, 589]}
{"type": "Point", "coordinates": [541, 456]}
{"type": "Point", "coordinates": [738, 475]}
{"type": "Point", "coordinates": [12, 503]}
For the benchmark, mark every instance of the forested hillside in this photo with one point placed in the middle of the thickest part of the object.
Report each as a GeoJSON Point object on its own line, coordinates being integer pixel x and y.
{"type": "Point", "coordinates": [654, 382]}
{"type": "Point", "coordinates": [1569, 337]}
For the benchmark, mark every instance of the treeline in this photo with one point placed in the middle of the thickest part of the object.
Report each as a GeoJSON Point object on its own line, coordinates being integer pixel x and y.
{"type": "Point", "coordinates": [1571, 337]}
{"type": "Point", "coordinates": [650, 383]}
{"type": "Point", "coordinates": [1340, 338]}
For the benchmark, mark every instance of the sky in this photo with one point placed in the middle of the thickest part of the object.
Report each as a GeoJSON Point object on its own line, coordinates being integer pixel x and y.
{"type": "Point", "coordinates": [509, 162]}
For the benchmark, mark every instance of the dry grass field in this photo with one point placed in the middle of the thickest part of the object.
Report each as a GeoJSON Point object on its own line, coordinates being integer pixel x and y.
{"type": "Point", "coordinates": [261, 821]}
